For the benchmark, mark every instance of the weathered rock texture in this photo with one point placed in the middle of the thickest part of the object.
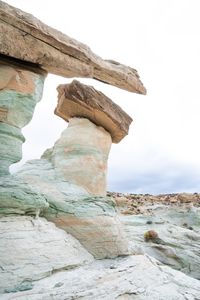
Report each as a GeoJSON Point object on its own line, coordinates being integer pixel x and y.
{"type": "Point", "coordinates": [57, 53]}
{"type": "Point", "coordinates": [80, 155]}
{"type": "Point", "coordinates": [136, 277]}
{"type": "Point", "coordinates": [20, 198]}
{"type": "Point", "coordinates": [32, 249]}
{"type": "Point", "coordinates": [79, 100]}
{"type": "Point", "coordinates": [39, 261]}
{"type": "Point", "coordinates": [20, 90]}
{"type": "Point", "coordinates": [65, 180]}
{"type": "Point", "coordinates": [67, 187]}
{"type": "Point", "coordinates": [94, 222]}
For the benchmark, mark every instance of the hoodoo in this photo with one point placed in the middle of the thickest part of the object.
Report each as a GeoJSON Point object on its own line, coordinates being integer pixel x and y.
{"type": "Point", "coordinates": [62, 235]}
{"type": "Point", "coordinates": [95, 122]}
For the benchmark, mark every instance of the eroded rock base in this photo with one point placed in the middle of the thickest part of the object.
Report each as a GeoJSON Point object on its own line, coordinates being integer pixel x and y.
{"type": "Point", "coordinates": [61, 177]}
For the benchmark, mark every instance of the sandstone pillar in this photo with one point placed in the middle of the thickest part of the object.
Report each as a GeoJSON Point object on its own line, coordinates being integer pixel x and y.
{"type": "Point", "coordinates": [20, 89]}
{"type": "Point", "coordinates": [81, 155]}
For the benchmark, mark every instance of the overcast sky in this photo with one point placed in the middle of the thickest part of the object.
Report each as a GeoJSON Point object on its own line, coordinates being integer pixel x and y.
{"type": "Point", "coordinates": [161, 39]}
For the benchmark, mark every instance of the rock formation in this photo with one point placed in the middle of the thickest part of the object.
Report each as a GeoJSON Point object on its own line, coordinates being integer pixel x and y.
{"type": "Point", "coordinates": [64, 177]}
{"type": "Point", "coordinates": [136, 277]}
{"type": "Point", "coordinates": [55, 217]}
{"type": "Point", "coordinates": [57, 53]}
{"type": "Point", "coordinates": [79, 100]}
{"type": "Point", "coordinates": [84, 147]}
{"type": "Point", "coordinates": [20, 89]}
{"type": "Point", "coordinates": [80, 155]}
{"type": "Point", "coordinates": [175, 218]}
{"type": "Point", "coordinates": [32, 249]}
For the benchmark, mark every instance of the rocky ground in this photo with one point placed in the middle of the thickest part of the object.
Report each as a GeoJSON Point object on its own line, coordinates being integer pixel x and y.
{"type": "Point", "coordinates": [142, 204]}
{"type": "Point", "coordinates": [45, 262]}
{"type": "Point", "coordinates": [167, 227]}
{"type": "Point", "coordinates": [135, 277]}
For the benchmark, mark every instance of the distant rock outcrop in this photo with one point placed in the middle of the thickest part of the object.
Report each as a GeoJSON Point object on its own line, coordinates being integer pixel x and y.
{"type": "Point", "coordinates": [173, 220]}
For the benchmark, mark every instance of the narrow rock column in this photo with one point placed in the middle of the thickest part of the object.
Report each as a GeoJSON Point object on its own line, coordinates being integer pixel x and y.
{"type": "Point", "coordinates": [21, 88]}
{"type": "Point", "coordinates": [81, 155]}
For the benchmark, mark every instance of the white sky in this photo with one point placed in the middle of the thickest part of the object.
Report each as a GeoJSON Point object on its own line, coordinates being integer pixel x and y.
{"type": "Point", "coordinates": [161, 39]}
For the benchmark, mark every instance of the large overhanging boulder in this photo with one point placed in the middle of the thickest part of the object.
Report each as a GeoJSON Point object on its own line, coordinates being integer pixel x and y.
{"type": "Point", "coordinates": [26, 38]}
{"type": "Point", "coordinates": [79, 100]}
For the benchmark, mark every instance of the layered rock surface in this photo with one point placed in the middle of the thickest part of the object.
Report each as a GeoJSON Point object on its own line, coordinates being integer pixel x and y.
{"type": "Point", "coordinates": [57, 53]}
{"type": "Point", "coordinates": [71, 178]}
{"type": "Point", "coordinates": [79, 100]}
{"type": "Point", "coordinates": [136, 277]}
{"type": "Point", "coordinates": [39, 260]}
{"type": "Point", "coordinates": [20, 90]}
{"type": "Point", "coordinates": [32, 249]}
{"type": "Point", "coordinates": [80, 155]}
{"type": "Point", "coordinates": [45, 262]}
